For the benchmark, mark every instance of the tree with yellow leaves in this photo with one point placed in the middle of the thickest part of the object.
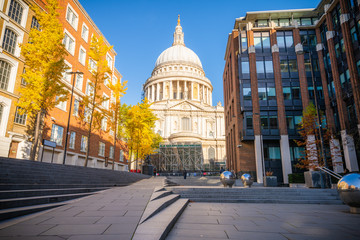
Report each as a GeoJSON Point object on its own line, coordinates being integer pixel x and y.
{"type": "Point", "coordinates": [116, 114]}
{"type": "Point", "coordinates": [91, 104]}
{"type": "Point", "coordinates": [44, 57]}
{"type": "Point", "coordinates": [140, 131]}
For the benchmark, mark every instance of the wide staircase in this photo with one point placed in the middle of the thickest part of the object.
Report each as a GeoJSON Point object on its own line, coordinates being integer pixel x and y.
{"type": "Point", "coordinates": [257, 195]}
{"type": "Point", "coordinates": [27, 186]}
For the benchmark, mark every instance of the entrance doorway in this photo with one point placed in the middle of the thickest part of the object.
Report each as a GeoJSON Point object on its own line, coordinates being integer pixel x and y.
{"type": "Point", "coordinates": [13, 149]}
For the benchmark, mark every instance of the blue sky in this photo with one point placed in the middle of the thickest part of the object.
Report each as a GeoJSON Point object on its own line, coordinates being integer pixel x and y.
{"type": "Point", "coordinates": [140, 30]}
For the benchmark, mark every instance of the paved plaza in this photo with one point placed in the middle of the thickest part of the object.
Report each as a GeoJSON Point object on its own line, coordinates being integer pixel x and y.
{"type": "Point", "coordinates": [115, 214]}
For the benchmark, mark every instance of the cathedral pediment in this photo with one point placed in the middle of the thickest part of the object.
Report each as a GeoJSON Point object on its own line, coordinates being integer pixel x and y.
{"type": "Point", "coordinates": [187, 106]}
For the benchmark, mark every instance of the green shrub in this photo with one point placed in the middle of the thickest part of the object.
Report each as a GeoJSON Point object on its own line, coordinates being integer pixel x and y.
{"type": "Point", "coordinates": [296, 178]}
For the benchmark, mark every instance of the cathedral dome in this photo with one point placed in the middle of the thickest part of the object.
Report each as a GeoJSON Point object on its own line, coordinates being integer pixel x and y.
{"type": "Point", "coordinates": [178, 53]}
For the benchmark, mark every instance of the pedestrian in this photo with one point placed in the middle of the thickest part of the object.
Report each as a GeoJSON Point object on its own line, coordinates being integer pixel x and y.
{"type": "Point", "coordinates": [221, 170]}
{"type": "Point", "coordinates": [154, 172]}
{"type": "Point", "coordinates": [185, 173]}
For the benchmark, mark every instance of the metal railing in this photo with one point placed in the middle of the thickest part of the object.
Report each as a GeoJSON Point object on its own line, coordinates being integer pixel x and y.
{"type": "Point", "coordinates": [330, 172]}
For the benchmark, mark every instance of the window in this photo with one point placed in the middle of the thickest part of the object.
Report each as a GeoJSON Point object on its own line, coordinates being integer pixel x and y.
{"type": "Point", "coordinates": [23, 82]}
{"type": "Point", "coordinates": [293, 65]}
{"type": "Point", "coordinates": [69, 43]}
{"type": "Point", "coordinates": [262, 94]}
{"type": "Point", "coordinates": [111, 153]}
{"type": "Point", "coordinates": [61, 105]}
{"type": "Point", "coordinates": [103, 124]}
{"type": "Point", "coordinates": [20, 118]}
{"type": "Point", "coordinates": [269, 67]}
{"type": "Point", "coordinates": [244, 45]}
{"type": "Point", "coordinates": [57, 134]}
{"type": "Point", "coordinates": [85, 32]}
{"type": "Point", "coordinates": [249, 122]}
{"type": "Point", "coordinates": [273, 122]}
{"type": "Point", "coordinates": [76, 107]}
{"type": "Point", "coordinates": [84, 142]}
{"type": "Point", "coordinates": [260, 67]}
{"type": "Point", "coordinates": [79, 81]}
{"type": "Point", "coordinates": [271, 93]}
{"type": "Point", "coordinates": [262, 41]}
{"type": "Point", "coordinates": [92, 65]}
{"type": "Point", "coordinates": [15, 11]}
{"type": "Point", "coordinates": [72, 17]}
{"type": "Point", "coordinates": [89, 89]}
{"type": "Point", "coordinates": [305, 21]}
{"type": "Point", "coordinates": [101, 149]}
{"type": "Point", "coordinates": [107, 80]}
{"type": "Point", "coordinates": [121, 157]}
{"type": "Point", "coordinates": [109, 61]}
{"type": "Point", "coordinates": [287, 93]}
{"type": "Point", "coordinates": [284, 66]}
{"type": "Point", "coordinates": [295, 91]}
{"type": "Point", "coordinates": [245, 67]}
{"type": "Point", "coordinates": [354, 37]}
{"type": "Point", "coordinates": [65, 74]}
{"type": "Point", "coordinates": [72, 140]}
{"type": "Point", "coordinates": [185, 123]}
{"type": "Point", "coordinates": [284, 22]}
{"type": "Point", "coordinates": [284, 40]}
{"type": "Point", "coordinates": [9, 42]}
{"type": "Point", "coordinates": [82, 55]}
{"type": "Point", "coordinates": [247, 93]}
{"type": "Point", "coordinates": [290, 122]}
{"type": "Point", "coordinates": [105, 102]}
{"type": "Point", "coordinates": [5, 69]}
{"type": "Point", "coordinates": [262, 23]}
{"type": "Point", "coordinates": [35, 23]}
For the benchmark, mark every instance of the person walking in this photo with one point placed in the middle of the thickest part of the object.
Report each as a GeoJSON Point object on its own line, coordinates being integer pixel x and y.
{"type": "Point", "coordinates": [154, 172]}
{"type": "Point", "coordinates": [185, 174]}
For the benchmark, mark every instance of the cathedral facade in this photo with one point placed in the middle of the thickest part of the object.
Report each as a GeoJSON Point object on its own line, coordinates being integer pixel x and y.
{"type": "Point", "coordinates": [181, 97]}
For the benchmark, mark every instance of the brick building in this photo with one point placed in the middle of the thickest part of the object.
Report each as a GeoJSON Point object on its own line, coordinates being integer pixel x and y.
{"type": "Point", "coordinates": [17, 19]}
{"type": "Point", "coordinates": [277, 62]}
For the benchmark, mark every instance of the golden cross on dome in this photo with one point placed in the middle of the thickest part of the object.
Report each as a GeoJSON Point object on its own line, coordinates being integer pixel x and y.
{"type": "Point", "coordinates": [178, 20]}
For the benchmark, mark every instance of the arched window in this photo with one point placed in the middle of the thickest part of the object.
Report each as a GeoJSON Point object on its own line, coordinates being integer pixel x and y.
{"type": "Point", "coordinates": [185, 123]}
{"type": "Point", "coordinates": [9, 42]}
{"type": "Point", "coordinates": [5, 69]}
{"type": "Point", "coordinates": [211, 153]}
{"type": "Point", "coordinates": [35, 23]}
{"type": "Point", "coordinates": [16, 11]}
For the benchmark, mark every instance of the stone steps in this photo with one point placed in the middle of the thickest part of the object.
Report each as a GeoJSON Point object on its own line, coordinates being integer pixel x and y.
{"type": "Point", "coordinates": [258, 195]}
{"type": "Point", "coordinates": [29, 186]}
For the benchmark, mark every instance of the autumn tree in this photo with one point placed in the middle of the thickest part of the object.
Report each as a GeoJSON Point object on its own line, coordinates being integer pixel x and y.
{"type": "Point", "coordinates": [140, 128]}
{"type": "Point", "coordinates": [314, 138]}
{"type": "Point", "coordinates": [92, 113]}
{"type": "Point", "coordinates": [44, 57]}
{"type": "Point", "coordinates": [116, 113]}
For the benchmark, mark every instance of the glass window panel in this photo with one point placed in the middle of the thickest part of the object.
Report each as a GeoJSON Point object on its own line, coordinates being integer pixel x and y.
{"type": "Point", "coordinates": [245, 67]}
{"type": "Point", "coordinates": [257, 42]}
{"type": "Point", "coordinates": [287, 93]}
{"type": "Point", "coordinates": [264, 122]}
{"type": "Point", "coordinates": [297, 120]}
{"type": "Point", "coordinates": [247, 93]}
{"type": "Point", "coordinates": [243, 44]}
{"type": "Point", "coordinates": [266, 42]}
{"type": "Point", "coordinates": [15, 11]}
{"type": "Point", "coordinates": [9, 42]}
{"type": "Point", "coordinates": [260, 67]}
{"type": "Point", "coordinates": [280, 41]}
{"type": "Point", "coordinates": [289, 41]}
{"type": "Point", "coordinates": [284, 22]}
{"type": "Point", "coordinates": [262, 94]}
{"type": "Point", "coordinates": [271, 93]}
{"type": "Point", "coordinates": [295, 92]}
{"type": "Point", "coordinates": [249, 122]}
{"type": "Point", "coordinates": [262, 23]}
{"type": "Point", "coordinates": [293, 65]}
{"type": "Point", "coordinates": [290, 122]}
{"type": "Point", "coordinates": [284, 66]}
{"type": "Point", "coordinates": [5, 70]}
{"type": "Point", "coordinates": [342, 78]}
{"type": "Point", "coordinates": [269, 66]}
{"type": "Point", "coordinates": [72, 140]}
{"type": "Point", "coordinates": [20, 118]}
{"type": "Point", "coordinates": [274, 153]}
{"type": "Point", "coordinates": [312, 40]}
{"type": "Point", "coordinates": [273, 122]}
{"type": "Point", "coordinates": [306, 21]}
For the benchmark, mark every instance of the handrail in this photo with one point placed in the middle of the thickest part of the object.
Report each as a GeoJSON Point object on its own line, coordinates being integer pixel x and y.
{"type": "Point", "coordinates": [332, 173]}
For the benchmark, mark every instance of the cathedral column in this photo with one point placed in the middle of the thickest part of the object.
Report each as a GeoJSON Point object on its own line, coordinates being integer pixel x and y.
{"type": "Point", "coordinates": [163, 86]}
{"type": "Point", "coordinates": [192, 91]}
{"type": "Point", "coordinates": [171, 94]}
{"type": "Point", "coordinates": [178, 89]}
{"type": "Point", "coordinates": [152, 93]}
{"type": "Point", "coordinates": [185, 94]}
{"type": "Point", "coordinates": [198, 91]}
{"type": "Point", "coordinates": [207, 95]}
{"type": "Point", "coordinates": [157, 92]}
{"type": "Point", "coordinates": [203, 92]}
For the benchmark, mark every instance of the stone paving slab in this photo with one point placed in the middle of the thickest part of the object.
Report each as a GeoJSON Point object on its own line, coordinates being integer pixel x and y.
{"type": "Point", "coordinates": [266, 221]}
{"type": "Point", "coordinates": [110, 214]}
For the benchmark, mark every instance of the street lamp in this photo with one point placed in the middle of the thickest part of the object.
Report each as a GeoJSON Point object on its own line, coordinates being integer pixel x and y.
{"type": "Point", "coordinates": [302, 52]}
{"type": "Point", "coordinates": [68, 123]}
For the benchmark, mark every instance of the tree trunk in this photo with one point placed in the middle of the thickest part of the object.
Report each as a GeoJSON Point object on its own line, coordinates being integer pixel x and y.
{"type": "Point", "coordinates": [34, 149]}
{"type": "Point", "coordinates": [115, 131]}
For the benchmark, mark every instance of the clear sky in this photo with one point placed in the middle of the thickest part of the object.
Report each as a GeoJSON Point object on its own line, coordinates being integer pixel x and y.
{"type": "Point", "coordinates": [140, 30]}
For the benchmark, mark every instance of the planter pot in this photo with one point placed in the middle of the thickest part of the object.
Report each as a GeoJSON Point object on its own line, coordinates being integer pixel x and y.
{"type": "Point", "coordinates": [270, 181]}
{"type": "Point", "coordinates": [297, 185]}
{"type": "Point", "coordinates": [315, 179]}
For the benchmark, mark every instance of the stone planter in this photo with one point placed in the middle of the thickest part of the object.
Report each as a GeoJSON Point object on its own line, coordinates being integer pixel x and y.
{"type": "Point", "coordinates": [297, 185]}
{"type": "Point", "coordinates": [270, 181]}
{"type": "Point", "coordinates": [315, 179]}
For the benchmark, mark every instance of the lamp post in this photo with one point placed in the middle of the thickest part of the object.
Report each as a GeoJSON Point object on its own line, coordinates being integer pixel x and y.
{"type": "Point", "coordinates": [316, 107]}
{"type": "Point", "coordinates": [68, 123]}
